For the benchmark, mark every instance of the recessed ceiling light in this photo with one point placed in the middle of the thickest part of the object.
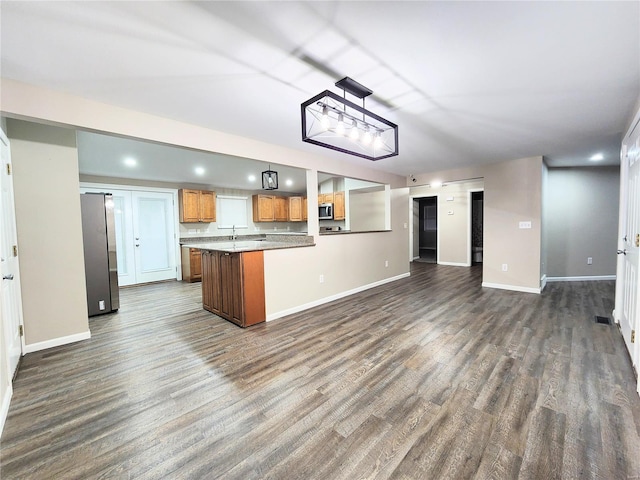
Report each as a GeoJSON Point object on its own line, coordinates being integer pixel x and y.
{"type": "Point", "coordinates": [252, 178]}
{"type": "Point", "coordinates": [199, 170]}
{"type": "Point", "coordinates": [289, 182]}
{"type": "Point", "coordinates": [130, 162]}
{"type": "Point", "coordinates": [597, 157]}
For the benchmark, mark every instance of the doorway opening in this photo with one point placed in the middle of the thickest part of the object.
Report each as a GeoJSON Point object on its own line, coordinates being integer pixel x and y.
{"type": "Point", "coordinates": [428, 228]}
{"type": "Point", "coordinates": [477, 222]}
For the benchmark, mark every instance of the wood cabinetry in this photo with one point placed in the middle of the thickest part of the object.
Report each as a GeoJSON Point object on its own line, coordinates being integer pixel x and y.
{"type": "Point", "coordinates": [270, 208]}
{"type": "Point", "coordinates": [197, 205]}
{"type": "Point", "coordinates": [338, 206]}
{"type": "Point", "coordinates": [305, 209]}
{"type": "Point", "coordinates": [325, 198]}
{"type": "Point", "coordinates": [295, 209]}
{"type": "Point", "coordinates": [281, 207]}
{"type": "Point", "coordinates": [191, 264]}
{"type": "Point", "coordinates": [263, 208]}
{"type": "Point", "coordinates": [233, 286]}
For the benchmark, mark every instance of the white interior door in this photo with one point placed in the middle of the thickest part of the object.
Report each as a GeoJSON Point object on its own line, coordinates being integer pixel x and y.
{"type": "Point", "coordinates": [11, 295]}
{"type": "Point", "coordinates": [153, 236]}
{"type": "Point", "coordinates": [627, 308]}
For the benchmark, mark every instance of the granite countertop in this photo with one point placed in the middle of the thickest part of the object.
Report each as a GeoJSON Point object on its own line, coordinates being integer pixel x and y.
{"type": "Point", "coordinates": [248, 243]}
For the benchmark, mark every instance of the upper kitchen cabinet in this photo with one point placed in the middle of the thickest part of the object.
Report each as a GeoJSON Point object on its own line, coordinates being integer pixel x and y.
{"type": "Point", "coordinates": [338, 206]}
{"type": "Point", "coordinates": [281, 207]}
{"type": "Point", "coordinates": [295, 209]}
{"type": "Point", "coordinates": [197, 206]}
{"type": "Point", "coordinates": [263, 208]}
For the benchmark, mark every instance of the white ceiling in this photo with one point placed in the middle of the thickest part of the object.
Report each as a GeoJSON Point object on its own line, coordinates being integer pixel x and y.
{"type": "Point", "coordinates": [467, 82]}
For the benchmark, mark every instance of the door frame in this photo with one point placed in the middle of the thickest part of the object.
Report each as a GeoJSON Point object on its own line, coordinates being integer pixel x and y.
{"type": "Point", "coordinates": [634, 354]}
{"type": "Point", "coordinates": [412, 199]}
{"type": "Point", "coordinates": [470, 224]}
{"type": "Point", "coordinates": [176, 218]}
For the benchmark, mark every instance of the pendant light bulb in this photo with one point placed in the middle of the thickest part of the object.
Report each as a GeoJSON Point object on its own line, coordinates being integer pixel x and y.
{"type": "Point", "coordinates": [325, 118]}
{"type": "Point", "coordinates": [377, 141]}
{"type": "Point", "coordinates": [366, 139]}
{"type": "Point", "coordinates": [340, 126]}
{"type": "Point", "coordinates": [354, 134]}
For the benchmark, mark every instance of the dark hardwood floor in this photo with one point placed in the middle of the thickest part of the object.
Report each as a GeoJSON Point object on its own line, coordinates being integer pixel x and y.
{"type": "Point", "coordinates": [429, 377]}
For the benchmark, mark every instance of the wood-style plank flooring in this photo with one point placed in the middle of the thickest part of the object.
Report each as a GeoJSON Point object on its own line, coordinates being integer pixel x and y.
{"type": "Point", "coordinates": [429, 377]}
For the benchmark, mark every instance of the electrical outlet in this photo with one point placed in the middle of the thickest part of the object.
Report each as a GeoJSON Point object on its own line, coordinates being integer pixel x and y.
{"type": "Point", "coordinates": [524, 225]}
{"type": "Point", "coordinates": [405, 225]}
{"type": "Point", "coordinates": [589, 260]}
{"type": "Point", "coordinates": [386, 263]}
{"type": "Point", "coordinates": [505, 267]}
{"type": "Point", "coordinates": [321, 278]}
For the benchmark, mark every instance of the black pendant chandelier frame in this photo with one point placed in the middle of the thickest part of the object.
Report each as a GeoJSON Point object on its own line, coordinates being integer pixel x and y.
{"type": "Point", "coordinates": [328, 103]}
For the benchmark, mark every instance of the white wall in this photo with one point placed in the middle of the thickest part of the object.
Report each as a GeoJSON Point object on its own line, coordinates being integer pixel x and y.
{"type": "Point", "coordinates": [512, 193]}
{"type": "Point", "coordinates": [47, 203]}
{"type": "Point", "coordinates": [582, 221]}
{"type": "Point", "coordinates": [453, 230]}
{"type": "Point", "coordinates": [348, 262]}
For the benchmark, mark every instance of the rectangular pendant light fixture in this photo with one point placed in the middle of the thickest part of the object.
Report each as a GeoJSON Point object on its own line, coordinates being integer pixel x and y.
{"type": "Point", "coordinates": [334, 122]}
{"type": "Point", "coordinates": [269, 179]}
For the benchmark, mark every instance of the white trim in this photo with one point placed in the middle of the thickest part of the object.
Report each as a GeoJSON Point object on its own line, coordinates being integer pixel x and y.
{"type": "Point", "coordinates": [415, 258]}
{"type": "Point", "coordinates": [454, 264]}
{"type": "Point", "coordinates": [589, 278]}
{"type": "Point", "coordinates": [56, 342]}
{"type": "Point", "coordinates": [331, 298]}
{"type": "Point", "coordinates": [543, 282]}
{"type": "Point", "coordinates": [4, 412]}
{"type": "Point", "coordinates": [513, 288]}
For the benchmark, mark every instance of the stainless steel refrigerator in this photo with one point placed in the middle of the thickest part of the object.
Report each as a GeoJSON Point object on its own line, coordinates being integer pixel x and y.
{"type": "Point", "coordinates": [100, 260]}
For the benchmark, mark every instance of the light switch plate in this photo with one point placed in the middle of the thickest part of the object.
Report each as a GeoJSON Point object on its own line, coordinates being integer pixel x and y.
{"type": "Point", "coordinates": [450, 212]}
{"type": "Point", "coordinates": [525, 225]}
{"type": "Point", "coordinates": [449, 199]}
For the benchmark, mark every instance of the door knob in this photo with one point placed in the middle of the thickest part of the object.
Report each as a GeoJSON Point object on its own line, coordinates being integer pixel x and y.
{"type": "Point", "coordinates": [137, 244]}
{"type": "Point", "coordinates": [623, 252]}
{"type": "Point", "coordinates": [8, 277]}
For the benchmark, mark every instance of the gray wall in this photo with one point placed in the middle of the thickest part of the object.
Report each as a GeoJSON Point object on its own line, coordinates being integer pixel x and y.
{"type": "Point", "coordinates": [582, 221]}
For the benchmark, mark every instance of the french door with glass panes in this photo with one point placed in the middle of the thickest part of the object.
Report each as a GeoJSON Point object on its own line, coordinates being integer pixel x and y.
{"type": "Point", "coordinates": [145, 235]}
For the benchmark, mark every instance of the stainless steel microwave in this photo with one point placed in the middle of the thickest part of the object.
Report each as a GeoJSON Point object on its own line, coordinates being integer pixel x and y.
{"type": "Point", "coordinates": [325, 211]}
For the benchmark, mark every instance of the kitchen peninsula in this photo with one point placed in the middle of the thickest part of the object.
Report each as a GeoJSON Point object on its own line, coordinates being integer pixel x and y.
{"type": "Point", "coordinates": [233, 274]}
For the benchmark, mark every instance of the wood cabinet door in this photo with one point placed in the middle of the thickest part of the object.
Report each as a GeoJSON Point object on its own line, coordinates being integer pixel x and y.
{"type": "Point", "coordinates": [189, 203]}
{"type": "Point", "coordinates": [325, 198]}
{"type": "Point", "coordinates": [263, 210]}
{"type": "Point", "coordinates": [226, 285]}
{"type": "Point", "coordinates": [295, 209]}
{"type": "Point", "coordinates": [237, 290]}
{"type": "Point", "coordinates": [207, 203]}
{"type": "Point", "coordinates": [195, 263]}
{"type": "Point", "coordinates": [305, 209]}
{"type": "Point", "coordinates": [281, 209]}
{"type": "Point", "coordinates": [211, 282]}
{"type": "Point", "coordinates": [338, 206]}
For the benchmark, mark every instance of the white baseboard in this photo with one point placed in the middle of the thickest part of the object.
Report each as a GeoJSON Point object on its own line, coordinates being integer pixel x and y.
{"type": "Point", "coordinates": [582, 279]}
{"type": "Point", "coordinates": [56, 342]}
{"type": "Point", "coordinates": [6, 401]}
{"type": "Point", "coordinates": [543, 282]}
{"type": "Point", "coordinates": [454, 264]}
{"type": "Point", "coordinates": [337, 296]}
{"type": "Point", "coordinates": [513, 288]}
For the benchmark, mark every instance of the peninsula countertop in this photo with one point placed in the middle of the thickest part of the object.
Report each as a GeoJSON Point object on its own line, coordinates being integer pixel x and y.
{"type": "Point", "coordinates": [253, 243]}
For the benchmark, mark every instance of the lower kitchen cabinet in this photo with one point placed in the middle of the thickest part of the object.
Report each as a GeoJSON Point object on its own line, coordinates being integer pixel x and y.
{"type": "Point", "coordinates": [191, 264]}
{"type": "Point", "coordinates": [233, 286]}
